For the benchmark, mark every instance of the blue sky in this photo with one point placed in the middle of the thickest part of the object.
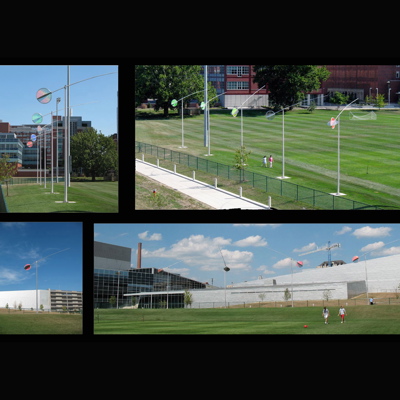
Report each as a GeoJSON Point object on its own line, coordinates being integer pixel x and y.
{"type": "Point", "coordinates": [25, 242]}
{"type": "Point", "coordinates": [249, 250]}
{"type": "Point", "coordinates": [19, 84]}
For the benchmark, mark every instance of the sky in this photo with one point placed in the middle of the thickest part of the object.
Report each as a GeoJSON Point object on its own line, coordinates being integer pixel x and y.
{"type": "Point", "coordinates": [24, 243]}
{"type": "Point", "coordinates": [249, 250]}
{"type": "Point", "coordinates": [95, 99]}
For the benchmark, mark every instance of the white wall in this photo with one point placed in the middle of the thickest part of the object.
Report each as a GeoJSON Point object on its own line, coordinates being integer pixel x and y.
{"type": "Point", "coordinates": [383, 274]}
{"type": "Point", "coordinates": [26, 297]}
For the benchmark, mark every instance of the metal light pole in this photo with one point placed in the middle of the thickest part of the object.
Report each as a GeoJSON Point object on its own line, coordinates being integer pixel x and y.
{"type": "Point", "coordinates": [37, 279]}
{"type": "Point", "coordinates": [57, 101]}
{"type": "Point", "coordinates": [173, 103]}
{"type": "Point", "coordinates": [332, 123]}
{"type": "Point", "coordinates": [241, 114]}
{"type": "Point", "coordinates": [209, 130]}
{"type": "Point", "coordinates": [205, 101]}
{"type": "Point", "coordinates": [44, 96]}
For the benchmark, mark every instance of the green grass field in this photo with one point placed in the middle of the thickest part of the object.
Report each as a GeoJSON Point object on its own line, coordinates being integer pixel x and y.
{"type": "Point", "coordinates": [370, 166]}
{"type": "Point", "coordinates": [16, 323]}
{"type": "Point", "coordinates": [96, 196]}
{"type": "Point", "coordinates": [247, 321]}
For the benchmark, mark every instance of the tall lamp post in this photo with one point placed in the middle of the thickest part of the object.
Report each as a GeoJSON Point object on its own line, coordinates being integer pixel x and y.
{"type": "Point", "coordinates": [241, 114]}
{"type": "Point", "coordinates": [333, 122]}
{"type": "Point", "coordinates": [27, 267]}
{"type": "Point", "coordinates": [270, 115]}
{"type": "Point", "coordinates": [174, 104]}
{"type": "Point", "coordinates": [203, 106]}
{"type": "Point", "coordinates": [298, 263]}
{"type": "Point", "coordinates": [44, 96]}
{"type": "Point", "coordinates": [226, 269]}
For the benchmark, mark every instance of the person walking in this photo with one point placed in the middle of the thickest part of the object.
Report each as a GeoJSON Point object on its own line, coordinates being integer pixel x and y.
{"type": "Point", "coordinates": [265, 161]}
{"type": "Point", "coordinates": [342, 313]}
{"type": "Point", "coordinates": [325, 314]}
{"type": "Point", "coordinates": [270, 159]}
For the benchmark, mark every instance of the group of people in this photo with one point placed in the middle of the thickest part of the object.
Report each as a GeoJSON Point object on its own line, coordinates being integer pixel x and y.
{"type": "Point", "coordinates": [270, 160]}
{"type": "Point", "coordinates": [342, 313]}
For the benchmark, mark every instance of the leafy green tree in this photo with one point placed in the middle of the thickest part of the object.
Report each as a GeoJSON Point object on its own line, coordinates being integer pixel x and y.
{"type": "Point", "coordinates": [339, 98]}
{"type": "Point", "coordinates": [7, 169]}
{"type": "Point", "coordinates": [240, 160]}
{"type": "Point", "coordinates": [288, 83]}
{"type": "Point", "coordinates": [165, 83]}
{"type": "Point", "coordinates": [287, 295]}
{"type": "Point", "coordinates": [188, 298]}
{"type": "Point", "coordinates": [93, 152]}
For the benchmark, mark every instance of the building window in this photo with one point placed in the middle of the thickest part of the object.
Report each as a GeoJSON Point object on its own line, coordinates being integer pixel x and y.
{"type": "Point", "coordinates": [237, 85]}
{"type": "Point", "coordinates": [238, 70]}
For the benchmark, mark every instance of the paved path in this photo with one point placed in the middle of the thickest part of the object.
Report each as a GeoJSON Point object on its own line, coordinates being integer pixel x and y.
{"type": "Point", "coordinates": [216, 198]}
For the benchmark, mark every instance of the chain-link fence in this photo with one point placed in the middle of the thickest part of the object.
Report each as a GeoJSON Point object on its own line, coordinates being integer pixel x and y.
{"type": "Point", "coordinates": [312, 197]}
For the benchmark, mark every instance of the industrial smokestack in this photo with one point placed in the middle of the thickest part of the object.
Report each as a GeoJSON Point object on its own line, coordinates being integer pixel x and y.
{"type": "Point", "coordinates": [139, 256]}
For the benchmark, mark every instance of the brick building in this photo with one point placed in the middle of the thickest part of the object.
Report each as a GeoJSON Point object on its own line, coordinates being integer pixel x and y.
{"type": "Point", "coordinates": [364, 80]}
{"type": "Point", "coordinates": [358, 81]}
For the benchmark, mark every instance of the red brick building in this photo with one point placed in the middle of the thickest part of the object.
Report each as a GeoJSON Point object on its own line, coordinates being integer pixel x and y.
{"type": "Point", "coordinates": [354, 80]}
{"type": "Point", "coordinates": [364, 80]}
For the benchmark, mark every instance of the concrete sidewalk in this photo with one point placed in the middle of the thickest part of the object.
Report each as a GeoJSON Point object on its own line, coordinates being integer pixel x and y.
{"type": "Point", "coordinates": [216, 198]}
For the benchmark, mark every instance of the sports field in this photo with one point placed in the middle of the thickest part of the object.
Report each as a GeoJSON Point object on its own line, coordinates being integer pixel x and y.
{"type": "Point", "coordinates": [17, 323]}
{"type": "Point", "coordinates": [247, 321]}
{"type": "Point", "coordinates": [95, 196]}
{"type": "Point", "coordinates": [370, 165]}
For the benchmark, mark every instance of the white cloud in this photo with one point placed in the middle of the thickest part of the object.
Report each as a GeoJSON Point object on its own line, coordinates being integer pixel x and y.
{"type": "Point", "coordinates": [388, 252]}
{"type": "Point", "coordinates": [368, 232]}
{"type": "Point", "coordinates": [308, 247]}
{"type": "Point", "coordinates": [154, 236]}
{"type": "Point", "coordinates": [286, 262]}
{"type": "Point", "coordinates": [256, 241]}
{"type": "Point", "coordinates": [265, 271]}
{"type": "Point", "coordinates": [372, 247]}
{"type": "Point", "coordinates": [8, 276]}
{"type": "Point", "coordinates": [204, 253]}
{"type": "Point", "coordinates": [344, 230]}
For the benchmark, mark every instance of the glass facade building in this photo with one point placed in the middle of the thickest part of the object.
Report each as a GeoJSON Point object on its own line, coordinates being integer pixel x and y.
{"type": "Point", "coordinates": [117, 284]}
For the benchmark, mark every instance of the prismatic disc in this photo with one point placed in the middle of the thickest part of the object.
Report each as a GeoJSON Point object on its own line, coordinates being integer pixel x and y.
{"type": "Point", "coordinates": [43, 96]}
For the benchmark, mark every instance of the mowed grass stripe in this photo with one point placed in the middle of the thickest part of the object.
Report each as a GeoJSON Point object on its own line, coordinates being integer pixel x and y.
{"type": "Point", "coordinates": [360, 320]}
{"type": "Point", "coordinates": [369, 149]}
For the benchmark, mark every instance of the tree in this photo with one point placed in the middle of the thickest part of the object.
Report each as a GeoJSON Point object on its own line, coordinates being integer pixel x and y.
{"type": "Point", "coordinates": [240, 158]}
{"type": "Point", "coordinates": [112, 301]}
{"type": "Point", "coordinates": [188, 298]}
{"type": "Point", "coordinates": [286, 295]}
{"type": "Point", "coordinates": [94, 153]}
{"type": "Point", "coordinates": [378, 100]}
{"type": "Point", "coordinates": [339, 98]}
{"type": "Point", "coordinates": [165, 83]}
{"type": "Point", "coordinates": [326, 295]}
{"type": "Point", "coordinates": [7, 169]}
{"type": "Point", "coordinates": [287, 84]}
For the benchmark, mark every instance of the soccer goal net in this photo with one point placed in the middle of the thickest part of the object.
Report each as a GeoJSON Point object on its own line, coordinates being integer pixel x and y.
{"type": "Point", "coordinates": [363, 116]}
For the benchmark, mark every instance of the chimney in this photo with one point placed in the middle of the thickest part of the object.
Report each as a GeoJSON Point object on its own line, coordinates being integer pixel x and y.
{"type": "Point", "coordinates": [139, 256]}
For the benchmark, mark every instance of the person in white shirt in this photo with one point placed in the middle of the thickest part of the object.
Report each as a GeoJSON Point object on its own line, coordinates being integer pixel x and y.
{"type": "Point", "coordinates": [342, 313]}
{"type": "Point", "coordinates": [325, 314]}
